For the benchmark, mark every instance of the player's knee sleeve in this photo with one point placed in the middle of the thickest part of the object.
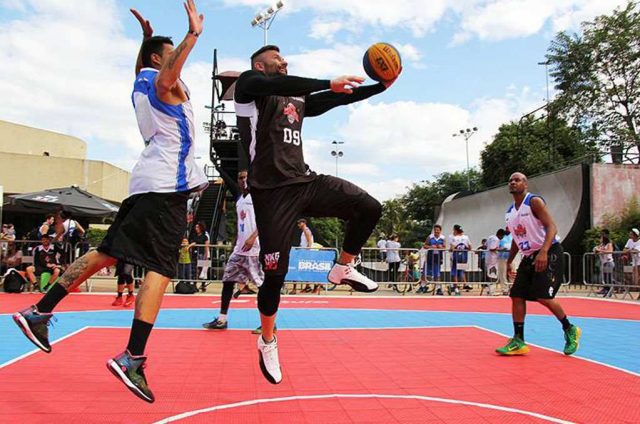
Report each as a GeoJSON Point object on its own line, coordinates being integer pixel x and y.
{"type": "Point", "coordinates": [269, 294]}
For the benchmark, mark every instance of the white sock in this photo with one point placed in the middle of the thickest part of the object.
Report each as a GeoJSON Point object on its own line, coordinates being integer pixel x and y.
{"type": "Point", "coordinates": [222, 317]}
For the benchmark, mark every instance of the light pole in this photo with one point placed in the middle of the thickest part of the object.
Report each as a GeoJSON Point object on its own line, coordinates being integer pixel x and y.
{"type": "Point", "coordinates": [546, 70]}
{"type": "Point", "coordinates": [467, 133]}
{"type": "Point", "coordinates": [337, 153]}
{"type": "Point", "coordinates": [265, 18]}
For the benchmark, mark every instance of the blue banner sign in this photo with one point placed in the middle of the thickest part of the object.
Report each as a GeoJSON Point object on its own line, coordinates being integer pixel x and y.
{"type": "Point", "coordinates": [310, 265]}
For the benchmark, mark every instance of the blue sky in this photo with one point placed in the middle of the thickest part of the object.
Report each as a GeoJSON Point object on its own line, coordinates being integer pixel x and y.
{"type": "Point", "coordinates": [68, 67]}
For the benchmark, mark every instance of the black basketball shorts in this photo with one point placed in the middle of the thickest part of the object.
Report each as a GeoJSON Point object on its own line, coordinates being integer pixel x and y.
{"type": "Point", "coordinates": [532, 285]}
{"type": "Point", "coordinates": [148, 231]}
{"type": "Point", "coordinates": [278, 209]}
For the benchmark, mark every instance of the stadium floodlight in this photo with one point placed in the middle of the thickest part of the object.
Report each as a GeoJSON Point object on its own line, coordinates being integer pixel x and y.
{"type": "Point", "coordinates": [265, 18]}
{"type": "Point", "coordinates": [467, 133]}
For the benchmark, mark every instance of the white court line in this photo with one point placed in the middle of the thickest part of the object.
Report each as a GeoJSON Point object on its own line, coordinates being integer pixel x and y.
{"type": "Point", "coordinates": [362, 396]}
{"type": "Point", "coordinates": [38, 350]}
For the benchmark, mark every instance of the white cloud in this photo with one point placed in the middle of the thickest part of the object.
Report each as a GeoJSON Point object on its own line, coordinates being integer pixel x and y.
{"type": "Point", "coordinates": [506, 19]}
{"type": "Point", "coordinates": [492, 20]}
{"type": "Point", "coordinates": [70, 69]}
{"type": "Point", "coordinates": [419, 16]}
{"type": "Point", "coordinates": [388, 146]}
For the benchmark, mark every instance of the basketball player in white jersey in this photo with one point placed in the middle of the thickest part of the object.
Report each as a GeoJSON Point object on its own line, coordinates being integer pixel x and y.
{"type": "Point", "coordinates": [151, 222]}
{"type": "Point", "coordinates": [244, 263]}
{"type": "Point", "coordinates": [541, 270]}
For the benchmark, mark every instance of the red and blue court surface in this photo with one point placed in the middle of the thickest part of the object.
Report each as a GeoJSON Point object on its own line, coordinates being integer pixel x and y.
{"type": "Point", "coordinates": [344, 360]}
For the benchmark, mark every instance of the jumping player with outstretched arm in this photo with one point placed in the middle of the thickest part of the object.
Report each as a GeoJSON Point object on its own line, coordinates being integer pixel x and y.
{"type": "Point", "coordinates": [270, 106]}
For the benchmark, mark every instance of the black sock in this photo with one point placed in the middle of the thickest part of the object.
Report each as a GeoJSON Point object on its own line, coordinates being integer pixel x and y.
{"type": "Point", "coordinates": [565, 323]}
{"type": "Point", "coordinates": [52, 298]}
{"type": "Point", "coordinates": [120, 294]}
{"type": "Point", "coordinates": [140, 332]}
{"type": "Point", "coordinates": [129, 291]}
{"type": "Point", "coordinates": [518, 330]}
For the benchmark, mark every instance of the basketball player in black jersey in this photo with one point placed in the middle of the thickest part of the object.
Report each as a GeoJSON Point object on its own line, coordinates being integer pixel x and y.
{"type": "Point", "coordinates": [270, 106]}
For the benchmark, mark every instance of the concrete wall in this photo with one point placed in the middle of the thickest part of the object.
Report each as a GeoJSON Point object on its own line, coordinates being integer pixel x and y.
{"type": "Point", "coordinates": [612, 186]}
{"type": "Point", "coordinates": [24, 168]}
{"type": "Point", "coordinates": [481, 214]}
{"type": "Point", "coordinates": [15, 138]}
{"type": "Point", "coordinates": [27, 173]}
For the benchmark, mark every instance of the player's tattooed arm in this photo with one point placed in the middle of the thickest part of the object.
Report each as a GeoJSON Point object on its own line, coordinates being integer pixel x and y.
{"type": "Point", "coordinates": [167, 82]}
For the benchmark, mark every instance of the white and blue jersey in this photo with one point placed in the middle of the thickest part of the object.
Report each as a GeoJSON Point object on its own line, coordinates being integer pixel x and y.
{"type": "Point", "coordinates": [246, 226]}
{"type": "Point", "coordinates": [167, 164]}
{"type": "Point", "coordinates": [528, 231]}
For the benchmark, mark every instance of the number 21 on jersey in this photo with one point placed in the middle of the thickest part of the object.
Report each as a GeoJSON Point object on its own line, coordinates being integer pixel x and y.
{"type": "Point", "coordinates": [292, 136]}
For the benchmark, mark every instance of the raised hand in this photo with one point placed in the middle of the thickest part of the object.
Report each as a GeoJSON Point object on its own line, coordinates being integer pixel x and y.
{"type": "Point", "coordinates": [195, 20]}
{"type": "Point", "coordinates": [346, 83]}
{"type": "Point", "coordinates": [147, 30]}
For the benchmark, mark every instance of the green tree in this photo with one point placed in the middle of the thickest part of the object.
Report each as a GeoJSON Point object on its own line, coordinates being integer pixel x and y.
{"type": "Point", "coordinates": [533, 146]}
{"type": "Point", "coordinates": [597, 75]}
{"type": "Point", "coordinates": [329, 232]}
{"type": "Point", "coordinates": [413, 214]}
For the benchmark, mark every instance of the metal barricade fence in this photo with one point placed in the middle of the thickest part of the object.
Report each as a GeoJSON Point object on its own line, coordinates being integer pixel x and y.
{"type": "Point", "coordinates": [614, 273]}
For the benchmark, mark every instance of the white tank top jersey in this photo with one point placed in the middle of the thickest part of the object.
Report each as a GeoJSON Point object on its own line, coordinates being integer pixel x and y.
{"type": "Point", "coordinates": [246, 226]}
{"type": "Point", "coordinates": [303, 240]}
{"type": "Point", "coordinates": [167, 164]}
{"type": "Point", "coordinates": [527, 230]}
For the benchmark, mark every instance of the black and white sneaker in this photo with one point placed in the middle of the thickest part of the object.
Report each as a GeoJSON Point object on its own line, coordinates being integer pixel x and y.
{"type": "Point", "coordinates": [216, 324]}
{"type": "Point", "coordinates": [347, 274]}
{"type": "Point", "coordinates": [269, 362]}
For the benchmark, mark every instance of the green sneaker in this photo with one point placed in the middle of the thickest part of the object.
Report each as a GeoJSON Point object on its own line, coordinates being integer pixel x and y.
{"type": "Point", "coordinates": [515, 346]}
{"type": "Point", "coordinates": [572, 339]}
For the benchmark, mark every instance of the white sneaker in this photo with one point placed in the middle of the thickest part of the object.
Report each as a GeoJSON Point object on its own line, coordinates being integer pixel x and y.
{"type": "Point", "coordinates": [347, 274]}
{"type": "Point", "coordinates": [269, 362]}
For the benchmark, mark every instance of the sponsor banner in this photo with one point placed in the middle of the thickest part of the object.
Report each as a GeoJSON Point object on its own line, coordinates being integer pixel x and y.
{"type": "Point", "coordinates": [310, 265]}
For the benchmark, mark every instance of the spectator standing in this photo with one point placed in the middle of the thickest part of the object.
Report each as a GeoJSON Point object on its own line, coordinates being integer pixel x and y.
{"type": "Point", "coordinates": [393, 258]}
{"type": "Point", "coordinates": [8, 232]}
{"type": "Point", "coordinates": [306, 241]}
{"type": "Point", "coordinates": [382, 244]}
{"type": "Point", "coordinates": [482, 259]}
{"type": "Point", "coordinates": [632, 248]}
{"type": "Point", "coordinates": [72, 233]}
{"type": "Point", "coordinates": [459, 245]}
{"type": "Point", "coordinates": [435, 245]}
{"type": "Point", "coordinates": [503, 256]}
{"type": "Point", "coordinates": [604, 250]}
{"type": "Point", "coordinates": [200, 239]}
{"type": "Point", "coordinates": [47, 227]}
{"type": "Point", "coordinates": [184, 262]}
{"type": "Point", "coordinates": [124, 272]}
{"type": "Point", "coordinates": [493, 250]}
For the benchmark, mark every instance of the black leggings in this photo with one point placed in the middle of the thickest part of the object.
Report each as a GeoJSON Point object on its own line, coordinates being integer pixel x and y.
{"type": "Point", "coordinates": [269, 294]}
{"type": "Point", "coordinates": [227, 293]}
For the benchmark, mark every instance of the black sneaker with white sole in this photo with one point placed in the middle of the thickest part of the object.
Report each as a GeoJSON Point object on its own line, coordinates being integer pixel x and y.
{"type": "Point", "coordinates": [34, 325]}
{"type": "Point", "coordinates": [347, 274]}
{"type": "Point", "coordinates": [130, 370]}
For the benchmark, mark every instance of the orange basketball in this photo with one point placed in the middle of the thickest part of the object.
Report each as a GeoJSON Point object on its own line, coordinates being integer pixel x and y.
{"type": "Point", "coordinates": [382, 62]}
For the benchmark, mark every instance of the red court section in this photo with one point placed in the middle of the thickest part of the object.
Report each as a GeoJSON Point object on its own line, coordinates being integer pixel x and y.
{"type": "Point", "coordinates": [191, 370]}
{"type": "Point", "coordinates": [583, 307]}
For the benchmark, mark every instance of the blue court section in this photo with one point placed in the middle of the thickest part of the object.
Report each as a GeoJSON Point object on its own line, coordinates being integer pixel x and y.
{"type": "Point", "coordinates": [611, 341]}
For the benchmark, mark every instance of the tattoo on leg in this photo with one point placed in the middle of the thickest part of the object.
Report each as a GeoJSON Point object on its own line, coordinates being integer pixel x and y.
{"type": "Point", "coordinates": [75, 270]}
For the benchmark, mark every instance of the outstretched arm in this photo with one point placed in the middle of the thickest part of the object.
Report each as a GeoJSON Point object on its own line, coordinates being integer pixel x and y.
{"type": "Point", "coordinates": [253, 84]}
{"type": "Point", "coordinates": [147, 32]}
{"type": "Point", "coordinates": [167, 82]}
{"type": "Point", "coordinates": [319, 103]}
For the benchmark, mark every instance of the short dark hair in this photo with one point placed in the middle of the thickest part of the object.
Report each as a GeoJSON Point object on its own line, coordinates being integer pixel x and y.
{"type": "Point", "coordinates": [202, 225]}
{"type": "Point", "coordinates": [49, 215]}
{"type": "Point", "coordinates": [301, 221]}
{"type": "Point", "coordinates": [65, 214]}
{"type": "Point", "coordinates": [604, 231]}
{"type": "Point", "coordinates": [457, 227]}
{"type": "Point", "coordinates": [438, 226]}
{"type": "Point", "coordinates": [500, 232]}
{"type": "Point", "coordinates": [152, 45]}
{"type": "Point", "coordinates": [262, 50]}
